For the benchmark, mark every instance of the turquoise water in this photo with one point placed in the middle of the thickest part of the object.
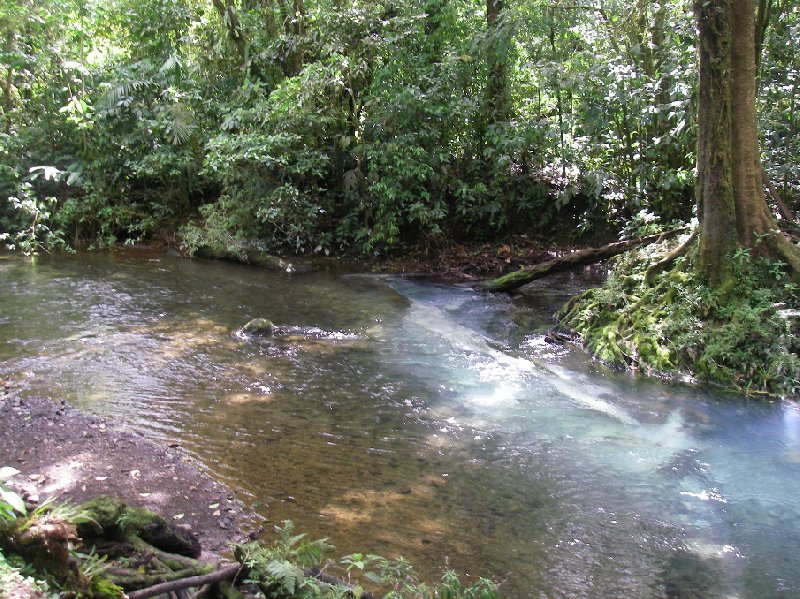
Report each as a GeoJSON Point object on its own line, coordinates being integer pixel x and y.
{"type": "Point", "coordinates": [434, 422]}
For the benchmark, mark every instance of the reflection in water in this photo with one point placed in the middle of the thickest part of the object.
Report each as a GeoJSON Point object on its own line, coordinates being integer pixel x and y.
{"type": "Point", "coordinates": [421, 420]}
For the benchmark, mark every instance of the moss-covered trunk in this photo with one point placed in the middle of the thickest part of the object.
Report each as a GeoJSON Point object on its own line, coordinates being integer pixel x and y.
{"type": "Point", "coordinates": [756, 227]}
{"type": "Point", "coordinates": [730, 196]}
{"type": "Point", "coordinates": [714, 186]}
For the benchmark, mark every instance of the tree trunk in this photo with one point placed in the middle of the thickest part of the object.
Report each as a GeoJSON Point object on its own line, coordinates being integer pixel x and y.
{"type": "Point", "coordinates": [496, 92]}
{"type": "Point", "coordinates": [714, 185]}
{"type": "Point", "coordinates": [299, 30]}
{"type": "Point", "coordinates": [753, 218]}
{"type": "Point", "coordinates": [230, 20]}
{"type": "Point", "coordinates": [730, 193]}
{"type": "Point", "coordinates": [8, 81]}
{"type": "Point", "coordinates": [762, 22]}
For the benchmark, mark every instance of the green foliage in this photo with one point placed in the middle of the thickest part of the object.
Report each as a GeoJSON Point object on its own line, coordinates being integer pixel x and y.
{"type": "Point", "coordinates": [14, 582]}
{"type": "Point", "coordinates": [283, 571]}
{"type": "Point", "coordinates": [399, 576]}
{"type": "Point", "coordinates": [278, 570]}
{"type": "Point", "coordinates": [779, 100]}
{"type": "Point", "coordinates": [748, 340]}
{"type": "Point", "coordinates": [360, 126]}
{"type": "Point", "coordinates": [11, 504]}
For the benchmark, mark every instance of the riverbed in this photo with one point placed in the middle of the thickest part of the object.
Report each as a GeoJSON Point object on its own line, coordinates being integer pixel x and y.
{"type": "Point", "coordinates": [412, 418]}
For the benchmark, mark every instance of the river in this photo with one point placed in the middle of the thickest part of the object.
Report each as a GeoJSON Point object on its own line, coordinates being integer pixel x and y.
{"type": "Point", "coordinates": [427, 420]}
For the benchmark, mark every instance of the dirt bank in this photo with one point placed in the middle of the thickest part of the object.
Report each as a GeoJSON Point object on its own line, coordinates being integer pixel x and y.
{"type": "Point", "coordinates": [62, 452]}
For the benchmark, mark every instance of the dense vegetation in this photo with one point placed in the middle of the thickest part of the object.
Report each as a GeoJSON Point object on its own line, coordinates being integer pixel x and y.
{"type": "Point", "coordinates": [104, 549]}
{"type": "Point", "coordinates": [321, 126]}
{"type": "Point", "coordinates": [332, 126]}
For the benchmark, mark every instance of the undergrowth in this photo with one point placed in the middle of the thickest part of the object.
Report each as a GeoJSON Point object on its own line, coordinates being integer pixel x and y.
{"type": "Point", "coordinates": [294, 567]}
{"type": "Point", "coordinates": [747, 340]}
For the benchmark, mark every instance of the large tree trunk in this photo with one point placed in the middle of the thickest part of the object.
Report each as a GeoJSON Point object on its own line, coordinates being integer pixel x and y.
{"type": "Point", "coordinates": [714, 186]}
{"type": "Point", "coordinates": [756, 226]}
{"type": "Point", "coordinates": [730, 193]}
{"type": "Point", "coordinates": [753, 217]}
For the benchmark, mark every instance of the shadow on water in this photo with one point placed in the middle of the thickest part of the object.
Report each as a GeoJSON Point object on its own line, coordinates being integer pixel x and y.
{"type": "Point", "coordinates": [423, 420]}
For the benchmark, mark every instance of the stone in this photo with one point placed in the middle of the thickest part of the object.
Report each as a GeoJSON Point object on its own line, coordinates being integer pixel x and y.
{"type": "Point", "coordinates": [260, 327]}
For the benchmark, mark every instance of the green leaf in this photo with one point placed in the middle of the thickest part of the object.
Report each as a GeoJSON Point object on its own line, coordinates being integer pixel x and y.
{"type": "Point", "coordinates": [373, 577]}
{"type": "Point", "coordinates": [14, 500]}
{"type": "Point", "coordinates": [7, 472]}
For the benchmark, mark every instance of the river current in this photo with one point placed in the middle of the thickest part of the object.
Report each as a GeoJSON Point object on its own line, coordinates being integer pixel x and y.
{"type": "Point", "coordinates": [424, 420]}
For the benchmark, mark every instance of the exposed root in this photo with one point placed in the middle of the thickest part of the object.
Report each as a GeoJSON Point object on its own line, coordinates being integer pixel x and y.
{"type": "Point", "coordinates": [226, 572]}
{"type": "Point", "coordinates": [666, 261]}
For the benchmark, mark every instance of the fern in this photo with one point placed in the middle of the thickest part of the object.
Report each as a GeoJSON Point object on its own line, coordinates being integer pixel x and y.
{"type": "Point", "coordinates": [285, 575]}
{"type": "Point", "coordinates": [179, 126]}
{"type": "Point", "coordinates": [172, 64]}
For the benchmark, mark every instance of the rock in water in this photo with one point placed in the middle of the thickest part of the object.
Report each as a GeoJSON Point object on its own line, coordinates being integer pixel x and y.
{"type": "Point", "coordinates": [260, 327]}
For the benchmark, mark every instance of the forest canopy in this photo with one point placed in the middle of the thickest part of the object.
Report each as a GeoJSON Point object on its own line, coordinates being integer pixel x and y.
{"type": "Point", "coordinates": [328, 126]}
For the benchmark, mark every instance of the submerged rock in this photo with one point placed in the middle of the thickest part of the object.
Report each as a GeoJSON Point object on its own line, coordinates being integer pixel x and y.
{"type": "Point", "coordinates": [259, 327]}
{"type": "Point", "coordinates": [275, 335]}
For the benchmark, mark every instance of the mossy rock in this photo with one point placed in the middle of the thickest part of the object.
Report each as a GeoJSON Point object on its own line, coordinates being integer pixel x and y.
{"type": "Point", "coordinates": [159, 533]}
{"type": "Point", "coordinates": [260, 327]}
{"type": "Point", "coordinates": [103, 513]}
{"type": "Point", "coordinates": [171, 538]}
{"type": "Point", "coordinates": [112, 519]}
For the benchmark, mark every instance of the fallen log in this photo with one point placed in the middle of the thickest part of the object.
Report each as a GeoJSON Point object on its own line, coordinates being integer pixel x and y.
{"type": "Point", "coordinates": [515, 280]}
{"type": "Point", "coordinates": [223, 573]}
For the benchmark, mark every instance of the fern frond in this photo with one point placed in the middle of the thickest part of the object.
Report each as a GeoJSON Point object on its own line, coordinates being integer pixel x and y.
{"type": "Point", "coordinates": [173, 63]}
{"type": "Point", "coordinates": [285, 575]}
{"type": "Point", "coordinates": [180, 128]}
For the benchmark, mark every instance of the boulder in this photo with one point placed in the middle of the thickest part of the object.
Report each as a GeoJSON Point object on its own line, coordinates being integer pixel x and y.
{"type": "Point", "coordinates": [260, 327]}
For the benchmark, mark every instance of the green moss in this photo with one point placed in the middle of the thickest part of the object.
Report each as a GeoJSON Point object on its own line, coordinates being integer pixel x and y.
{"type": "Point", "coordinates": [747, 341]}
{"type": "Point", "coordinates": [261, 327]}
{"type": "Point", "coordinates": [104, 513]}
{"type": "Point", "coordinates": [103, 588]}
{"type": "Point", "coordinates": [134, 519]}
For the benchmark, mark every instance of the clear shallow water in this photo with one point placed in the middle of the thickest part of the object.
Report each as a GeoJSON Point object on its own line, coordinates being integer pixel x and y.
{"type": "Point", "coordinates": [438, 426]}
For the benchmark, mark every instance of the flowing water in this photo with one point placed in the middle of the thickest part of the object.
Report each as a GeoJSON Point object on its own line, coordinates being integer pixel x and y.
{"type": "Point", "coordinates": [423, 420]}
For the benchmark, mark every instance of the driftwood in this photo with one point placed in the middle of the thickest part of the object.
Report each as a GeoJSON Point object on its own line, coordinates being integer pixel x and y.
{"type": "Point", "coordinates": [224, 573]}
{"type": "Point", "coordinates": [517, 279]}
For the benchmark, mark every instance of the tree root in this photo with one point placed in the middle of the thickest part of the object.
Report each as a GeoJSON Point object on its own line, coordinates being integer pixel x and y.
{"type": "Point", "coordinates": [666, 261]}
{"type": "Point", "coordinates": [172, 560]}
{"type": "Point", "coordinates": [783, 207]}
{"type": "Point", "coordinates": [185, 582]}
{"type": "Point", "coordinates": [132, 580]}
{"type": "Point", "coordinates": [781, 247]}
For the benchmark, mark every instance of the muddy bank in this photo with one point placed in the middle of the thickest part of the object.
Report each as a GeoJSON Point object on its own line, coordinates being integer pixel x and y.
{"type": "Point", "coordinates": [62, 452]}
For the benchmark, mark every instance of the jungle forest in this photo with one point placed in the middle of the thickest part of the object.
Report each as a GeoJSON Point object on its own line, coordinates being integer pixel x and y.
{"type": "Point", "coordinates": [499, 143]}
{"type": "Point", "coordinates": [368, 128]}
